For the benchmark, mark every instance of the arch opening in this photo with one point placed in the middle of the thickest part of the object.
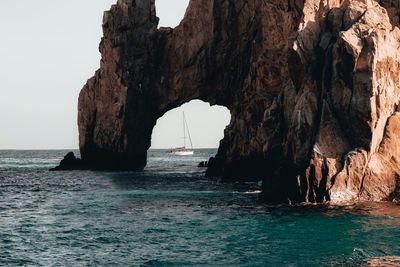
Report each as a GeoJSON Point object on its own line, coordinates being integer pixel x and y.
{"type": "Point", "coordinates": [171, 12]}
{"type": "Point", "coordinates": [204, 123]}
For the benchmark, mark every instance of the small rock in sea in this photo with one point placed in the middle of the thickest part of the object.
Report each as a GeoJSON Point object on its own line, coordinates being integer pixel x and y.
{"type": "Point", "coordinates": [203, 164]}
{"type": "Point", "coordinates": [70, 162]}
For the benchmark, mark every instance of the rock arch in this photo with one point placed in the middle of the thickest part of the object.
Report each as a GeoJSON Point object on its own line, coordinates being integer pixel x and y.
{"type": "Point", "coordinates": [146, 72]}
{"type": "Point", "coordinates": [313, 102]}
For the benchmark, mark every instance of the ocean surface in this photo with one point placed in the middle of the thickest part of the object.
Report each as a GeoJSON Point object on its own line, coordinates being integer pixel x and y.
{"type": "Point", "coordinates": [171, 215]}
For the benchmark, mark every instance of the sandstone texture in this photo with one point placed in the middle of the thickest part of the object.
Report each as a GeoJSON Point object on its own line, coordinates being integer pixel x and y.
{"type": "Point", "coordinates": [312, 86]}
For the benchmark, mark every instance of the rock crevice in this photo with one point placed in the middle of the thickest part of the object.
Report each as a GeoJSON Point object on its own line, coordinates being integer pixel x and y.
{"type": "Point", "coordinates": [312, 86]}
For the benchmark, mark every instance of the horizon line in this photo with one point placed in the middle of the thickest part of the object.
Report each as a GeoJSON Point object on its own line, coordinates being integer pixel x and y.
{"type": "Point", "coordinates": [43, 149]}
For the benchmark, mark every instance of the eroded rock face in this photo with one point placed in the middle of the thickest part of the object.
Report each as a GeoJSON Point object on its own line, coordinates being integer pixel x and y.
{"type": "Point", "coordinates": [312, 86]}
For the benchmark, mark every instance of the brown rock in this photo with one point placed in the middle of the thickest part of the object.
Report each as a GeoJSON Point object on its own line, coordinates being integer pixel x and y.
{"type": "Point", "coordinates": [312, 86]}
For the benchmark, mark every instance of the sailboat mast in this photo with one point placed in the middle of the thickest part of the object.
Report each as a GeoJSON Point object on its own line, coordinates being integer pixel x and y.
{"type": "Point", "coordinates": [187, 127]}
{"type": "Point", "coordinates": [184, 130]}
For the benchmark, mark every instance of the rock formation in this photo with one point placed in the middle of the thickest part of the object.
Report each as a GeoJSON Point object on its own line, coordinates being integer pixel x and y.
{"type": "Point", "coordinates": [312, 86]}
{"type": "Point", "coordinates": [70, 162]}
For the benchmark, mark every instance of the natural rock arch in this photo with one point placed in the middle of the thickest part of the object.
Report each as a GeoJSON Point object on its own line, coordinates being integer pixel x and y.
{"type": "Point", "coordinates": [146, 72]}
{"type": "Point", "coordinates": [312, 86]}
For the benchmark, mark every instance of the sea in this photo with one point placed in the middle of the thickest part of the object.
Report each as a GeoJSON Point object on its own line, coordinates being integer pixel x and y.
{"type": "Point", "coordinates": [172, 215]}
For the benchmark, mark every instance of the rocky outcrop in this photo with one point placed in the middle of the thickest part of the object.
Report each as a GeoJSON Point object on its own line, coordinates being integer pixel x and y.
{"type": "Point", "coordinates": [312, 86]}
{"type": "Point", "coordinates": [203, 164]}
{"type": "Point", "coordinates": [70, 162]}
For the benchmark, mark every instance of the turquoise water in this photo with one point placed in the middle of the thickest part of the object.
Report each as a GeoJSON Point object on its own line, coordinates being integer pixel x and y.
{"type": "Point", "coordinates": [170, 215]}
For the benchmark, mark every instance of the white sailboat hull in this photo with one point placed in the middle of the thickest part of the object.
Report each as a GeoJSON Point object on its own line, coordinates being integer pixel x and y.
{"type": "Point", "coordinates": [183, 153]}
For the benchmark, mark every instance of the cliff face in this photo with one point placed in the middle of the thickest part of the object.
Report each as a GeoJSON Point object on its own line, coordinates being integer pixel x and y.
{"type": "Point", "coordinates": [312, 86]}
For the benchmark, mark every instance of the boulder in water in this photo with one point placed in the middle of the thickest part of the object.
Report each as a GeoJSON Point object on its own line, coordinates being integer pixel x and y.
{"type": "Point", "coordinates": [70, 162]}
{"type": "Point", "coordinates": [203, 164]}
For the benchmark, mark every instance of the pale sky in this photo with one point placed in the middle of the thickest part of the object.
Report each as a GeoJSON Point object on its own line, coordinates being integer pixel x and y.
{"type": "Point", "coordinates": [48, 49]}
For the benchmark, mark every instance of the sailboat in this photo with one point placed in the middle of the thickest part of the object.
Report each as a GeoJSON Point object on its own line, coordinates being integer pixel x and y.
{"type": "Point", "coordinates": [184, 151]}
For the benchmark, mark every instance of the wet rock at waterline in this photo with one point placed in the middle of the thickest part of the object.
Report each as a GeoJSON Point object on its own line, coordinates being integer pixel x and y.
{"type": "Point", "coordinates": [203, 164]}
{"type": "Point", "coordinates": [312, 86]}
{"type": "Point", "coordinates": [70, 162]}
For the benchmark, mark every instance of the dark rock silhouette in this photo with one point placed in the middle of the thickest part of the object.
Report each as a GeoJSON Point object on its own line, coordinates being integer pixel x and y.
{"type": "Point", "coordinates": [312, 86]}
{"type": "Point", "coordinates": [203, 164]}
{"type": "Point", "coordinates": [70, 162]}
